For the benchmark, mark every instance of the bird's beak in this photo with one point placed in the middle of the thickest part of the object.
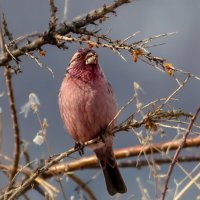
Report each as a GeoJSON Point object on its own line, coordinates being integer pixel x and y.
{"type": "Point", "coordinates": [91, 58]}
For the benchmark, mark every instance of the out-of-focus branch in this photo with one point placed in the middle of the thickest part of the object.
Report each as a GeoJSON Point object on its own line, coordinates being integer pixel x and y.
{"type": "Point", "coordinates": [16, 155]}
{"type": "Point", "coordinates": [119, 154]}
{"type": "Point", "coordinates": [159, 161]}
{"type": "Point", "coordinates": [83, 186]}
{"type": "Point", "coordinates": [91, 161]}
{"type": "Point", "coordinates": [14, 121]}
{"type": "Point", "coordinates": [10, 92]}
{"type": "Point", "coordinates": [47, 171]}
{"type": "Point", "coordinates": [58, 179]}
{"type": "Point", "coordinates": [180, 146]}
{"type": "Point", "coordinates": [186, 188]}
{"type": "Point", "coordinates": [153, 117]}
{"type": "Point", "coordinates": [39, 183]}
{"type": "Point", "coordinates": [40, 171]}
{"type": "Point", "coordinates": [65, 12]}
{"type": "Point", "coordinates": [47, 37]}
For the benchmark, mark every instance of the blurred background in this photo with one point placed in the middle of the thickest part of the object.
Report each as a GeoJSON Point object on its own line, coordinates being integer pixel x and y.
{"type": "Point", "coordinates": [150, 18]}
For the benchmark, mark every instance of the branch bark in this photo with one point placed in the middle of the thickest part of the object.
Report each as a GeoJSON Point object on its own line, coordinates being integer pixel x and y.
{"type": "Point", "coordinates": [15, 123]}
{"type": "Point", "coordinates": [47, 37]}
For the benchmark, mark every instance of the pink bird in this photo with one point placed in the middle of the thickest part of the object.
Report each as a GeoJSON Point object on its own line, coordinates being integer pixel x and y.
{"type": "Point", "coordinates": [87, 105]}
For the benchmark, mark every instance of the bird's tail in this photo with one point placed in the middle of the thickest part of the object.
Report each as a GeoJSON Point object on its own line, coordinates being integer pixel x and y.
{"type": "Point", "coordinates": [114, 181]}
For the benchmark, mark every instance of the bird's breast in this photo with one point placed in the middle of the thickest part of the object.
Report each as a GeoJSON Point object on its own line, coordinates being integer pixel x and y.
{"type": "Point", "coordinates": [86, 108]}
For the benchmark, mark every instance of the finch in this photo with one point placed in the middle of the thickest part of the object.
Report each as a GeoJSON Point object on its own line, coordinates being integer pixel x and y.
{"type": "Point", "coordinates": [87, 105]}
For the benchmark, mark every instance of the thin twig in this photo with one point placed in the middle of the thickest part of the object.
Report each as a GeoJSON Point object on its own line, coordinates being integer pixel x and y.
{"type": "Point", "coordinates": [24, 37]}
{"type": "Point", "coordinates": [61, 187]}
{"type": "Point", "coordinates": [65, 12]}
{"type": "Point", "coordinates": [83, 186]}
{"type": "Point", "coordinates": [175, 91]}
{"type": "Point", "coordinates": [43, 132]}
{"type": "Point", "coordinates": [40, 64]}
{"type": "Point", "coordinates": [25, 152]}
{"type": "Point", "coordinates": [182, 143]}
{"type": "Point", "coordinates": [180, 194]}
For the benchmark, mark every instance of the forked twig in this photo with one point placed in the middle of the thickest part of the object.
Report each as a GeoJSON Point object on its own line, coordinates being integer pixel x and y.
{"type": "Point", "coordinates": [182, 143]}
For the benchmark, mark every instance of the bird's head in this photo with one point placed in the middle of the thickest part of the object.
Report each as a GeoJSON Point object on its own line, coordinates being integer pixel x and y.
{"type": "Point", "coordinates": [84, 65]}
{"type": "Point", "coordinates": [84, 58]}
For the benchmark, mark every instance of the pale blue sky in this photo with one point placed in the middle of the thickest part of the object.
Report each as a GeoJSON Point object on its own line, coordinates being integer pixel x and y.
{"type": "Point", "coordinates": [150, 18]}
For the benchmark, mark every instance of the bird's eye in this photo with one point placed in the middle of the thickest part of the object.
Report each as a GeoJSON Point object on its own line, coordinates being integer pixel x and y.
{"type": "Point", "coordinates": [78, 56]}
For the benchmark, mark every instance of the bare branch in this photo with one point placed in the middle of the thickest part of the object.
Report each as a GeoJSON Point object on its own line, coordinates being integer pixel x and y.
{"type": "Point", "coordinates": [14, 121]}
{"type": "Point", "coordinates": [40, 64]}
{"type": "Point", "coordinates": [180, 146]}
{"type": "Point", "coordinates": [16, 132]}
{"type": "Point", "coordinates": [74, 26]}
{"type": "Point", "coordinates": [130, 151]}
{"type": "Point", "coordinates": [53, 20]}
{"type": "Point", "coordinates": [91, 161]}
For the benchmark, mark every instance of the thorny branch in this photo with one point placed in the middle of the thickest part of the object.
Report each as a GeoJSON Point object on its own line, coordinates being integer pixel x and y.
{"type": "Point", "coordinates": [52, 23]}
{"type": "Point", "coordinates": [138, 50]}
{"type": "Point", "coordinates": [47, 37]}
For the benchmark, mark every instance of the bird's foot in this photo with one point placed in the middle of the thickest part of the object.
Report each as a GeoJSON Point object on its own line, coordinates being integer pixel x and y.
{"type": "Point", "coordinates": [79, 146]}
{"type": "Point", "coordinates": [102, 137]}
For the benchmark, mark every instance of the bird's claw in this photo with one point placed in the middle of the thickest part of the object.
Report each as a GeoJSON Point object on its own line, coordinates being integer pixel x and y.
{"type": "Point", "coordinates": [102, 138]}
{"type": "Point", "coordinates": [79, 147]}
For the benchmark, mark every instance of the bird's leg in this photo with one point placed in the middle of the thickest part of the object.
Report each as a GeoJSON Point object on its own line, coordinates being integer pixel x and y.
{"type": "Point", "coordinates": [79, 146]}
{"type": "Point", "coordinates": [102, 135]}
{"type": "Point", "coordinates": [102, 138]}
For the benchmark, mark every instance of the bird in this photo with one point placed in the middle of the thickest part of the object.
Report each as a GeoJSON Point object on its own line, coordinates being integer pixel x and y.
{"type": "Point", "coordinates": [87, 105]}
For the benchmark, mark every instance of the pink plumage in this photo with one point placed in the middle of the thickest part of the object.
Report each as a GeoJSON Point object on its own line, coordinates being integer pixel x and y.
{"type": "Point", "coordinates": [87, 105]}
